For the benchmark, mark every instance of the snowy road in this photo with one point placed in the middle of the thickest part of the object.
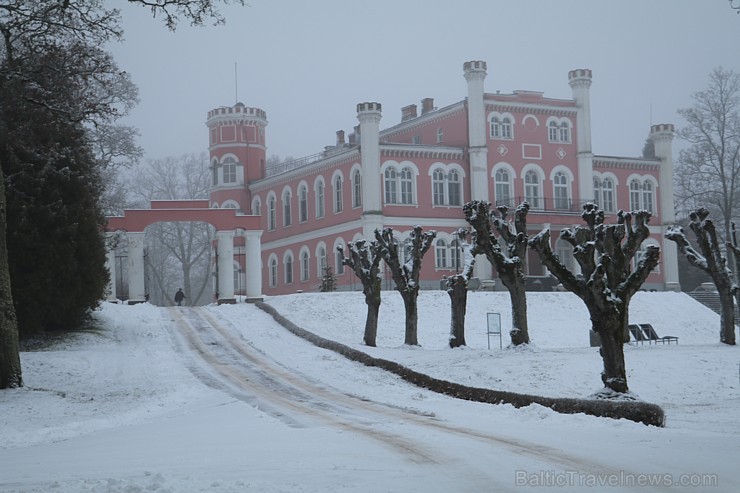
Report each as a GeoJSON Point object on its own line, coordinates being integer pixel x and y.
{"type": "Point", "coordinates": [223, 359]}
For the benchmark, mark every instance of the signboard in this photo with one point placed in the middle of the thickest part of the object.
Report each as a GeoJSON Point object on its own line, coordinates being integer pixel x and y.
{"type": "Point", "coordinates": [494, 328]}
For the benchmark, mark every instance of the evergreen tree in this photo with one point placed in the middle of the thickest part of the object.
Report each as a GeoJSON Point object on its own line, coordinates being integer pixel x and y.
{"type": "Point", "coordinates": [328, 280]}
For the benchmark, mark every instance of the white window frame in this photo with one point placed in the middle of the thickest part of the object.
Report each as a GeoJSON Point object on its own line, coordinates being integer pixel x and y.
{"type": "Point", "coordinates": [319, 188]}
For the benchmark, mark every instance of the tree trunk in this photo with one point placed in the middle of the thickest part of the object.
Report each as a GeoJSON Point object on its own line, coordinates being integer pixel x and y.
{"type": "Point", "coordinates": [610, 327]}
{"type": "Point", "coordinates": [371, 321]}
{"type": "Point", "coordinates": [727, 317]}
{"type": "Point", "coordinates": [518, 296]}
{"type": "Point", "coordinates": [412, 318]}
{"type": "Point", "coordinates": [10, 361]}
{"type": "Point", "coordinates": [457, 288]}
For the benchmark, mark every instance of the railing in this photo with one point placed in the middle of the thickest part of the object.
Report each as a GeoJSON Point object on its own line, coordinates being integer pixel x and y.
{"type": "Point", "coordinates": [546, 204]}
{"type": "Point", "coordinates": [276, 169]}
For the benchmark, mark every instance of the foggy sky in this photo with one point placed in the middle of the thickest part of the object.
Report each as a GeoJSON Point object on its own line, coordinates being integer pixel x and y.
{"type": "Point", "coordinates": [307, 63]}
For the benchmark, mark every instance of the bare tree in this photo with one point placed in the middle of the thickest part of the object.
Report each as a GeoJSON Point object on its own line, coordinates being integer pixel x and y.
{"type": "Point", "coordinates": [708, 170]}
{"type": "Point", "coordinates": [509, 257]}
{"type": "Point", "coordinates": [457, 289]}
{"type": "Point", "coordinates": [608, 282]}
{"type": "Point", "coordinates": [364, 260]}
{"type": "Point", "coordinates": [711, 261]}
{"type": "Point", "coordinates": [406, 275]}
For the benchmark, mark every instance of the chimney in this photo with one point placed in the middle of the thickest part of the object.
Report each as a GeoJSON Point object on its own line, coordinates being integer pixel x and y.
{"type": "Point", "coordinates": [427, 105]}
{"type": "Point", "coordinates": [408, 112]}
{"type": "Point", "coordinates": [340, 138]}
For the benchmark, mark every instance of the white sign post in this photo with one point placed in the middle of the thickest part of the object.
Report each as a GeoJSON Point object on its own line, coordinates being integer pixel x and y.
{"type": "Point", "coordinates": [494, 328]}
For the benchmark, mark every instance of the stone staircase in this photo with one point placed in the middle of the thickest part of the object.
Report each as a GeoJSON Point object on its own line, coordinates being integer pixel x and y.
{"type": "Point", "coordinates": [710, 299]}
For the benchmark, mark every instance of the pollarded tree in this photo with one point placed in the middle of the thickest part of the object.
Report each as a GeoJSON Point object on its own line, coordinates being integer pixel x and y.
{"type": "Point", "coordinates": [364, 260]}
{"type": "Point", "coordinates": [711, 261]}
{"type": "Point", "coordinates": [607, 282]}
{"type": "Point", "coordinates": [508, 255]}
{"type": "Point", "coordinates": [457, 288]}
{"type": "Point", "coordinates": [406, 275]}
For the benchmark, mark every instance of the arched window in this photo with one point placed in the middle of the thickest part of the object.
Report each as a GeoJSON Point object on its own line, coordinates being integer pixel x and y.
{"type": "Point", "coordinates": [303, 203]}
{"type": "Point", "coordinates": [286, 208]}
{"type": "Point", "coordinates": [455, 255]}
{"type": "Point", "coordinates": [506, 128]}
{"type": "Point", "coordinates": [404, 251]}
{"type": "Point", "coordinates": [319, 198]}
{"type": "Point", "coordinates": [305, 268]}
{"type": "Point", "coordinates": [338, 198]}
{"type": "Point", "coordinates": [440, 135]}
{"type": "Point", "coordinates": [564, 251]}
{"type": "Point", "coordinates": [338, 265]}
{"type": "Point", "coordinates": [495, 128]}
{"type": "Point", "coordinates": [229, 170]}
{"type": "Point", "coordinates": [438, 187]}
{"type": "Point", "coordinates": [440, 254]}
{"type": "Point", "coordinates": [648, 197]}
{"type": "Point", "coordinates": [552, 131]}
{"type": "Point", "coordinates": [607, 194]}
{"type": "Point", "coordinates": [391, 178]}
{"type": "Point", "coordinates": [288, 268]}
{"type": "Point", "coordinates": [564, 132]}
{"type": "Point", "coordinates": [256, 207]}
{"type": "Point", "coordinates": [357, 188]}
{"type": "Point", "coordinates": [635, 192]}
{"type": "Point", "coordinates": [532, 189]}
{"type": "Point", "coordinates": [561, 198]}
{"type": "Point", "coordinates": [321, 258]}
{"type": "Point", "coordinates": [598, 200]}
{"type": "Point", "coordinates": [214, 172]}
{"type": "Point", "coordinates": [407, 186]}
{"type": "Point", "coordinates": [453, 188]}
{"type": "Point", "coordinates": [271, 213]}
{"type": "Point", "coordinates": [502, 181]}
{"type": "Point", "coordinates": [273, 272]}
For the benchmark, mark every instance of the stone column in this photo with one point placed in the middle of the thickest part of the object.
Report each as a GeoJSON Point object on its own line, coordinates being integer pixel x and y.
{"type": "Point", "coordinates": [136, 284]}
{"type": "Point", "coordinates": [662, 136]}
{"type": "Point", "coordinates": [580, 84]}
{"type": "Point", "coordinates": [225, 249]}
{"type": "Point", "coordinates": [369, 115]}
{"type": "Point", "coordinates": [253, 266]}
{"type": "Point", "coordinates": [110, 263]}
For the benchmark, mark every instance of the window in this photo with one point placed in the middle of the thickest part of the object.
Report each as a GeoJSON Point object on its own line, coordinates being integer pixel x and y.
{"type": "Point", "coordinates": [552, 133]}
{"type": "Point", "coordinates": [502, 180]}
{"type": "Point", "coordinates": [560, 189]}
{"type": "Point", "coordinates": [440, 135]}
{"type": "Point", "coordinates": [564, 251]}
{"type": "Point", "coordinates": [453, 188]}
{"type": "Point", "coordinates": [286, 208]}
{"type": "Point", "coordinates": [404, 251]}
{"type": "Point", "coordinates": [256, 207]}
{"type": "Point", "coordinates": [273, 272]}
{"type": "Point", "coordinates": [304, 266]}
{"type": "Point", "coordinates": [635, 192]}
{"type": "Point", "coordinates": [532, 189]}
{"type": "Point", "coordinates": [495, 128]}
{"type": "Point", "coordinates": [237, 279]}
{"type": "Point", "coordinates": [440, 254]}
{"type": "Point", "coordinates": [338, 261]}
{"type": "Point", "coordinates": [407, 190]}
{"type": "Point", "coordinates": [321, 257]}
{"type": "Point", "coordinates": [357, 188]}
{"type": "Point", "coordinates": [214, 173]}
{"type": "Point", "coordinates": [506, 128]}
{"type": "Point", "coordinates": [229, 166]}
{"type": "Point", "coordinates": [319, 198]}
{"type": "Point", "coordinates": [455, 255]}
{"type": "Point", "coordinates": [303, 204]}
{"type": "Point", "coordinates": [416, 139]}
{"type": "Point", "coordinates": [338, 199]}
{"type": "Point", "coordinates": [391, 178]}
{"type": "Point", "coordinates": [604, 194]}
{"type": "Point", "coordinates": [647, 197]}
{"type": "Point", "coordinates": [271, 213]}
{"type": "Point", "coordinates": [564, 132]}
{"type": "Point", "coordinates": [288, 268]}
{"type": "Point", "coordinates": [438, 187]}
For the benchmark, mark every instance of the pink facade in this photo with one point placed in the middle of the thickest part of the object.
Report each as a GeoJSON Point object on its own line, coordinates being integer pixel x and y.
{"type": "Point", "coordinates": [503, 148]}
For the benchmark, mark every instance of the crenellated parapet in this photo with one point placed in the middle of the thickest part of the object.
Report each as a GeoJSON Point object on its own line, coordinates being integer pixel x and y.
{"type": "Point", "coordinates": [474, 70]}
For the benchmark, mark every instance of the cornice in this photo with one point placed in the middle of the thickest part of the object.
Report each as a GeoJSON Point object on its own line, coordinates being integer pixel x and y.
{"type": "Point", "coordinates": [417, 151]}
{"type": "Point", "coordinates": [539, 109]}
{"type": "Point", "coordinates": [626, 163]}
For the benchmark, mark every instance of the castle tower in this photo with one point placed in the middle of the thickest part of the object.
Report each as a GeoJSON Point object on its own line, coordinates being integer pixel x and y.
{"type": "Point", "coordinates": [475, 74]}
{"type": "Point", "coordinates": [237, 153]}
{"type": "Point", "coordinates": [580, 83]}
{"type": "Point", "coordinates": [662, 137]}
{"type": "Point", "coordinates": [369, 115]}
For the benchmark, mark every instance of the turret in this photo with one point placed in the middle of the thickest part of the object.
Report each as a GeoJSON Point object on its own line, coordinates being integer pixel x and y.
{"type": "Point", "coordinates": [475, 75]}
{"type": "Point", "coordinates": [369, 115]}
{"type": "Point", "coordinates": [580, 83]}
{"type": "Point", "coordinates": [662, 137]}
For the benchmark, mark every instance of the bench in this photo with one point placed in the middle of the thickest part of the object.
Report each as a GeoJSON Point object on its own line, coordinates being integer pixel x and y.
{"type": "Point", "coordinates": [645, 332]}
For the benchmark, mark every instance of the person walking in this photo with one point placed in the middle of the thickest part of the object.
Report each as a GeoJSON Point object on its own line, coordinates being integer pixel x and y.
{"type": "Point", "coordinates": [179, 296]}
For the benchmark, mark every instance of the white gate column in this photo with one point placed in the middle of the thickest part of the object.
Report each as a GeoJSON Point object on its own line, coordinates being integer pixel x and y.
{"type": "Point", "coordinates": [253, 265]}
{"type": "Point", "coordinates": [136, 286]}
{"type": "Point", "coordinates": [110, 263]}
{"type": "Point", "coordinates": [225, 250]}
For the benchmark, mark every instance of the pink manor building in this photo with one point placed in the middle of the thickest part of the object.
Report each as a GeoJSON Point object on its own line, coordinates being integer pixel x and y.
{"type": "Point", "coordinates": [502, 148]}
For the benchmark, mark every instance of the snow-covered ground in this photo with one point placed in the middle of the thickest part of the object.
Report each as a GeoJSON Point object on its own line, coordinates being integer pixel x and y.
{"type": "Point", "coordinates": [127, 408]}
